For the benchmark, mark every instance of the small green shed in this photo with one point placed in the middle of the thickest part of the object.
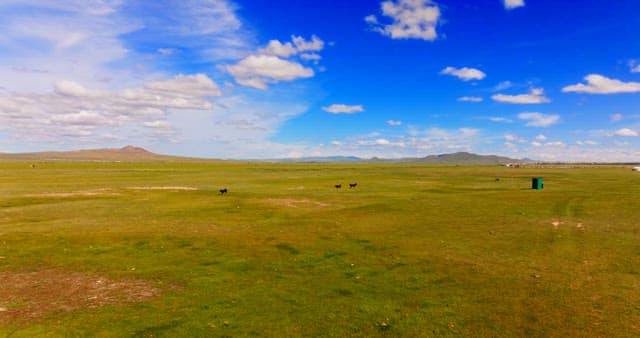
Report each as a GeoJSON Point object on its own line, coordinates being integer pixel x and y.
{"type": "Point", "coordinates": [536, 183]}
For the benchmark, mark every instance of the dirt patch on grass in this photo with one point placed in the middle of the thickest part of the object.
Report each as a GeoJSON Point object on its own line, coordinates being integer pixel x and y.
{"type": "Point", "coordinates": [162, 188]}
{"type": "Point", "coordinates": [81, 193]}
{"type": "Point", "coordinates": [295, 203]}
{"type": "Point", "coordinates": [27, 296]}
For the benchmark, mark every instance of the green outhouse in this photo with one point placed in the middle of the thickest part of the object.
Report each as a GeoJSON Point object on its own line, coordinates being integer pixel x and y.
{"type": "Point", "coordinates": [536, 183]}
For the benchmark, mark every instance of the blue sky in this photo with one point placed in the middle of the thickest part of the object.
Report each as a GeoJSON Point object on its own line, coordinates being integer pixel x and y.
{"type": "Point", "coordinates": [550, 80]}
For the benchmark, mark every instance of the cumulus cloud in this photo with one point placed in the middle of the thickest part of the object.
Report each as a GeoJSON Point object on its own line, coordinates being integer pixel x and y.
{"type": "Point", "coordinates": [75, 111]}
{"type": "Point", "coordinates": [394, 123]}
{"type": "Point", "coordinates": [541, 137]}
{"type": "Point", "coordinates": [407, 19]}
{"type": "Point", "coordinates": [598, 84]}
{"type": "Point", "coordinates": [297, 45]}
{"type": "Point", "coordinates": [258, 70]}
{"type": "Point", "coordinates": [465, 73]}
{"type": "Point", "coordinates": [539, 120]}
{"type": "Point", "coordinates": [271, 63]}
{"type": "Point", "coordinates": [635, 69]}
{"type": "Point", "coordinates": [511, 4]}
{"type": "Point", "coordinates": [536, 95]}
{"type": "Point", "coordinates": [626, 132]}
{"type": "Point", "coordinates": [343, 109]}
{"type": "Point", "coordinates": [470, 99]}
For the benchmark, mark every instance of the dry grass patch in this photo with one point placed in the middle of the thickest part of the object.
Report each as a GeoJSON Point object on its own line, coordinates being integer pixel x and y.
{"type": "Point", "coordinates": [26, 296]}
{"type": "Point", "coordinates": [162, 188]}
{"type": "Point", "coordinates": [295, 203]}
{"type": "Point", "coordinates": [81, 193]}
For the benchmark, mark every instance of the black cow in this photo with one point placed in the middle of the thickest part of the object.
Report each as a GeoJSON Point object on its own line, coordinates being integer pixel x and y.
{"type": "Point", "coordinates": [338, 186]}
{"type": "Point", "coordinates": [223, 191]}
{"type": "Point", "coordinates": [352, 185]}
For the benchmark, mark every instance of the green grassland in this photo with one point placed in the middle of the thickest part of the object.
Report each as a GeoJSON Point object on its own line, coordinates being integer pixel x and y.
{"type": "Point", "coordinates": [414, 250]}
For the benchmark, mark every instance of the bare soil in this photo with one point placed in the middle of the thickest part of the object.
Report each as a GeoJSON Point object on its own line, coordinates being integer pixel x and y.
{"type": "Point", "coordinates": [28, 296]}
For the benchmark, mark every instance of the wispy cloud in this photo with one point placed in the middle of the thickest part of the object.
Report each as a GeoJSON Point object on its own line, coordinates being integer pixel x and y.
{"type": "Point", "coordinates": [394, 123]}
{"type": "Point", "coordinates": [511, 4]}
{"type": "Point", "coordinates": [75, 111]}
{"type": "Point", "coordinates": [502, 86]}
{"type": "Point", "coordinates": [499, 119]}
{"type": "Point", "coordinates": [539, 120]}
{"type": "Point", "coordinates": [409, 19]}
{"type": "Point", "coordinates": [598, 84]}
{"type": "Point", "coordinates": [470, 99]}
{"type": "Point", "coordinates": [514, 138]}
{"type": "Point", "coordinates": [343, 109]}
{"type": "Point", "coordinates": [536, 95]}
{"type": "Point", "coordinates": [616, 117]}
{"type": "Point", "coordinates": [465, 73]}
{"type": "Point", "coordinates": [626, 132]}
{"type": "Point", "coordinates": [415, 142]}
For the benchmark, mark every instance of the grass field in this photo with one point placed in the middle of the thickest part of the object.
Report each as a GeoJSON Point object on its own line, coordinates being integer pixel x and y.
{"type": "Point", "coordinates": [152, 249]}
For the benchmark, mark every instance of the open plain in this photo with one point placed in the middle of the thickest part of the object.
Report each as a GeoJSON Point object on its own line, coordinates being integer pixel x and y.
{"type": "Point", "coordinates": [154, 249]}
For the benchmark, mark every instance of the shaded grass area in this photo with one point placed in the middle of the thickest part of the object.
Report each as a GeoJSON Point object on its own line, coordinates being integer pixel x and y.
{"type": "Point", "coordinates": [412, 251]}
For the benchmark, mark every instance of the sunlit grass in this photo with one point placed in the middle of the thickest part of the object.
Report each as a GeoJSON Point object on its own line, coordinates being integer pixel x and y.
{"type": "Point", "coordinates": [412, 251]}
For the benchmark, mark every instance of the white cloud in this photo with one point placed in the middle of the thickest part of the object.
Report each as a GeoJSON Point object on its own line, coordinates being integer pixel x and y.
{"type": "Point", "coordinates": [502, 86]}
{"type": "Point", "coordinates": [167, 51]}
{"type": "Point", "coordinates": [635, 69]}
{"type": "Point", "coordinates": [514, 138]}
{"type": "Point", "coordinates": [186, 85]}
{"type": "Point", "coordinates": [258, 70]}
{"type": "Point", "coordinates": [73, 111]}
{"type": "Point", "coordinates": [538, 119]}
{"type": "Point", "coordinates": [313, 45]}
{"type": "Point", "coordinates": [511, 4]}
{"type": "Point", "coordinates": [310, 57]}
{"type": "Point", "coordinates": [394, 123]}
{"type": "Point", "coordinates": [541, 137]}
{"type": "Point", "coordinates": [470, 99]}
{"type": "Point", "coordinates": [465, 73]}
{"type": "Point", "coordinates": [598, 84]}
{"type": "Point", "coordinates": [536, 95]}
{"type": "Point", "coordinates": [297, 45]}
{"type": "Point", "coordinates": [410, 19]}
{"type": "Point", "coordinates": [270, 64]}
{"type": "Point", "coordinates": [343, 109]}
{"type": "Point", "coordinates": [500, 119]}
{"type": "Point", "coordinates": [626, 132]}
{"type": "Point", "coordinates": [277, 48]}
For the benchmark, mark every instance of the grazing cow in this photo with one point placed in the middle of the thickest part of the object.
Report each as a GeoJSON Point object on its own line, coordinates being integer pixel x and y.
{"type": "Point", "coordinates": [353, 185]}
{"type": "Point", "coordinates": [338, 186]}
{"type": "Point", "coordinates": [223, 191]}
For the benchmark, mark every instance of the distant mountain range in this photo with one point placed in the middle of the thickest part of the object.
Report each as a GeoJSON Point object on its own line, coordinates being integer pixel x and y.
{"type": "Point", "coordinates": [125, 154]}
{"type": "Point", "coordinates": [133, 153]}
{"type": "Point", "coordinates": [455, 158]}
{"type": "Point", "coordinates": [469, 158]}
